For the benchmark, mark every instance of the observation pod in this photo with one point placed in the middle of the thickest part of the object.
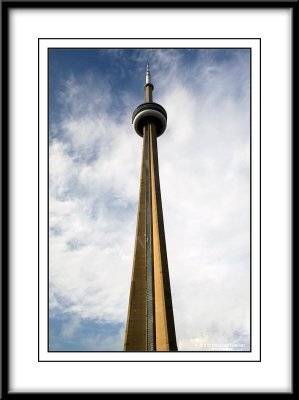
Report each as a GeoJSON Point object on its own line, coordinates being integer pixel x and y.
{"type": "Point", "coordinates": [149, 112]}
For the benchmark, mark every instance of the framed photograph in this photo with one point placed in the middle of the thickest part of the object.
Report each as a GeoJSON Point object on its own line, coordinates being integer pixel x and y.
{"type": "Point", "coordinates": [148, 167]}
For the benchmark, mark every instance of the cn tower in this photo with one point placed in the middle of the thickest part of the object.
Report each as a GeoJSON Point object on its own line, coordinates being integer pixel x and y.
{"type": "Point", "coordinates": [150, 321]}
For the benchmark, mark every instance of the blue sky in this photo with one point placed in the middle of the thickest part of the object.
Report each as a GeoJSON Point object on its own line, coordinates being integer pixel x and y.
{"type": "Point", "coordinates": [94, 167]}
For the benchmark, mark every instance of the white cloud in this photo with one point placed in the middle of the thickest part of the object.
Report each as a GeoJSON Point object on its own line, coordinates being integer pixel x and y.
{"type": "Point", "coordinates": [204, 171]}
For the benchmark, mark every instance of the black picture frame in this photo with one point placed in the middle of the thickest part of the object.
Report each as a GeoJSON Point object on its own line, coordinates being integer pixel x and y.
{"type": "Point", "coordinates": [6, 7]}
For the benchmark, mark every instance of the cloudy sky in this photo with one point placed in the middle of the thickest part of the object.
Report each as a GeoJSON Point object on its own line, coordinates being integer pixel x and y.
{"type": "Point", "coordinates": [94, 168]}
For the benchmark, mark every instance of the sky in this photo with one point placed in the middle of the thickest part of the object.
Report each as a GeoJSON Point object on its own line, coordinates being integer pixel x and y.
{"type": "Point", "coordinates": [94, 174]}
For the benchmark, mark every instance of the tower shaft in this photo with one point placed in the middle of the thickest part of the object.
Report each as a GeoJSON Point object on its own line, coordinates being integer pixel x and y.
{"type": "Point", "coordinates": [150, 323]}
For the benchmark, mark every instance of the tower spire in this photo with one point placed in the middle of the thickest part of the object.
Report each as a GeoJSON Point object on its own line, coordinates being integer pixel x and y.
{"type": "Point", "coordinates": [148, 74]}
{"type": "Point", "coordinates": [149, 87]}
